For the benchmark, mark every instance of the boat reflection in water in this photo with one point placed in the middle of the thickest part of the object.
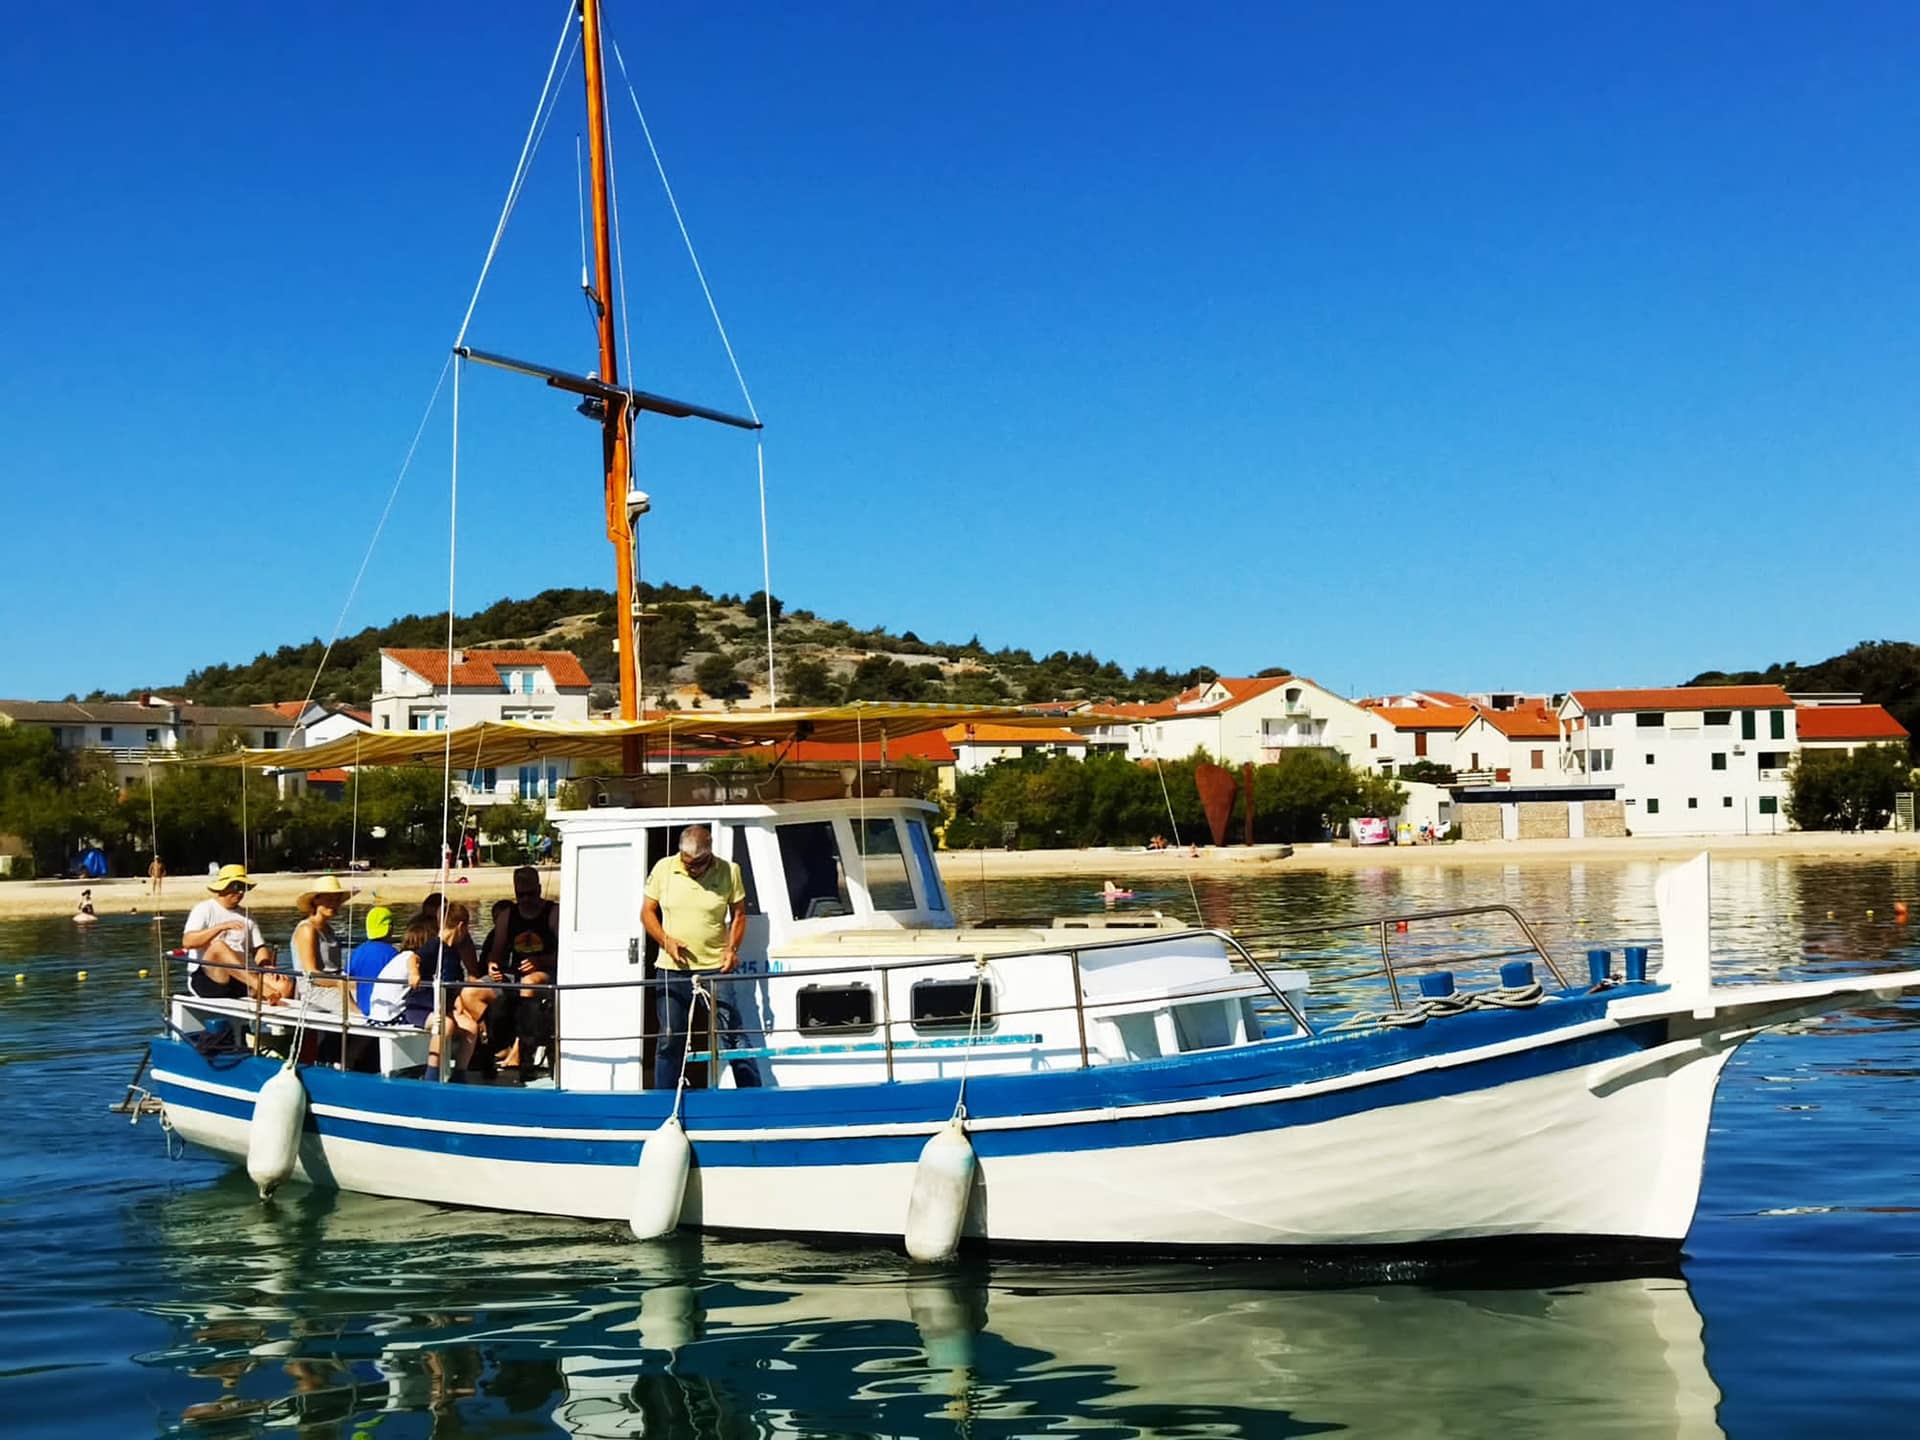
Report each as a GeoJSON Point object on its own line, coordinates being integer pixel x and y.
{"type": "Point", "coordinates": [336, 1308]}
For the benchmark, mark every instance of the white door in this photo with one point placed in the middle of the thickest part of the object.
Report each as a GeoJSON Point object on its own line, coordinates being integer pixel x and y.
{"type": "Point", "coordinates": [600, 944]}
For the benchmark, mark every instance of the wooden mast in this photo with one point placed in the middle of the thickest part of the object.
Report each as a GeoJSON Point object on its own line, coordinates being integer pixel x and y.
{"type": "Point", "coordinates": [617, 427]}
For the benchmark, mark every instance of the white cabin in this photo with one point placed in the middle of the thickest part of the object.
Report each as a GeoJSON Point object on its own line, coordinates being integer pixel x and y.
{"type": "Point", "coordinates": [854, 968]}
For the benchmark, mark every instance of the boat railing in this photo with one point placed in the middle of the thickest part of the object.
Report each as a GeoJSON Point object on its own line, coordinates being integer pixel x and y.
{"type": "Point", "coordinates": [1255, 950]}
{"type": "Point", "coordinates": [753, 786]}
{"type": "Point", "coordinates": [1272, 942]}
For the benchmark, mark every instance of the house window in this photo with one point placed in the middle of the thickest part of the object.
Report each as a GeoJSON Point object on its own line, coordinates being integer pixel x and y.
{"type": "Point", "coordinates": [270, 738]}
{"type": "Point", "coordinates": [483, 780]}
{"type": "Point", "coordinates": [426, 719]}
{"type": "Point", "coordinates": [834, 1008]}
{"type": "Point", "coordinates": [1653, 807]}
{"type": "Point", "coordinates": [1773, 759]}
{"type": "Point", "coordinates": [106, 734]}
{"type": "Point", "coordinates": [1373, 741]}
{"type": "Point", "coordinates": [1719, 717]}
{"type": "Point", "coordinates": [1719, 759]}
{"type": "Point", "coordinates": [1476, 761]}
{"type": "Point", "coordinates": [1419, 742]}
{"type": "Point", "coordinates": [1746, 725]}
{"type": "Point", "coordinates": [1604, 718]}
{"type": "Point", "coordinates": [1693, 803]}
{"type": "Point", "coordinates": [1649, 757]}
{"type": "Point", "coordinates": [948, 1004]}
{"type": "Point", "coordinates": [1539, 760]}
{"type": "Point", "coordinates": [1776, 724]}
{"type": "Point", "coordinates": [386, 722]}
{"type": "Point", "coordinates": [816, 880]}
{"type": "Point", "coordinates": [1726, 802]}
{"type": "Point", "coordinates": [1650, 719]}
{"type": "Point", "coordinates": [1769, 804]}
{"type": "Point", "coordinates": [153, 736]}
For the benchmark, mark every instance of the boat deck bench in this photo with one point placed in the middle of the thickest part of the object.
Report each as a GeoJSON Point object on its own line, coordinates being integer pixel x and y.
{"type": "Point", "coordinates": [402, 1047]}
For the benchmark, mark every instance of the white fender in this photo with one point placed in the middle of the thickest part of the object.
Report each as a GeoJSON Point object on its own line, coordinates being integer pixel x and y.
{"type": "Point", "coordinates": [660, 1181]}
{"type": "Point", "coordinates": [273, 1139]}
{"type": "Point", "coordinates": [942, 1186]}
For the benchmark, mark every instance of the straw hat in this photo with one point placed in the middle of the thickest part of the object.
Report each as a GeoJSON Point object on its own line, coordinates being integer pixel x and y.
{"type": "Point", "coordinates": [329, 886]}
{"type": "Point", "coordinates": [229, 875]}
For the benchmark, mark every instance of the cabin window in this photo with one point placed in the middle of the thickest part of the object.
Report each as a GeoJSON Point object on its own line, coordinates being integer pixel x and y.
{"type": "Point", "coordinates": [816, 879]}
{"type": "Point", "coordinates": [743, 857]}
{"type": "Point", "coordinates": [929, 872]}
{"type": "Point", "coordinates": [834, 1007]}
{"type": "Point", "coordinates": [948, 1004]}
{"type": "Point", "coordinates": [883, 865]}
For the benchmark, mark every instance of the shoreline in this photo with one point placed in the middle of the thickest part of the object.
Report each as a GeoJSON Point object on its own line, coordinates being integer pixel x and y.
{"type": "Point", "coordinates": [1320, 856]}
{"type": "Point", "coordinates": [401, 889]}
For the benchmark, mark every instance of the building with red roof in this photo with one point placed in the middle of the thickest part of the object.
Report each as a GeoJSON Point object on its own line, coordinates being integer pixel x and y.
{"type": "Point", "coordinates": [1847, 727]}
{"type": "Point", "coordinates": [1242, 719]}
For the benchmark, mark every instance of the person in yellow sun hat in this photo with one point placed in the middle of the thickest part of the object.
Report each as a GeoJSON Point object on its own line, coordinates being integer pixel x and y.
{"type": "Point", "coordinates": [220, 940]}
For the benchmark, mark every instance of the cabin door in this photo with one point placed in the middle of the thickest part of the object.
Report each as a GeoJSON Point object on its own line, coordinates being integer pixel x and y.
{"type": "Point", "coordinates": [600, 1029]}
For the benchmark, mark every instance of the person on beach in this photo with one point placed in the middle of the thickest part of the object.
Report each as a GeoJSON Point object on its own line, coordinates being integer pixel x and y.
{"type": "Point", "coordinates": [83, 913]}
{"type": "Point", "coordinates": [156, 874]}
{"type": "Point", "coordinates": [220, 940]}
{"type": "Point", "coordinates": [696, 911]}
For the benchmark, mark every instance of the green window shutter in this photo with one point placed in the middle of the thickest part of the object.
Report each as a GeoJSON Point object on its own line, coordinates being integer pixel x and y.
{"type": "Point", "coordinates": [1746, 725]}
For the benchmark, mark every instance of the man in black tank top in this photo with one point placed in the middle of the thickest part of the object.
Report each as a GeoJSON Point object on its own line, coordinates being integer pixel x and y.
{"type": "Point", "coordinates": [525, 945]}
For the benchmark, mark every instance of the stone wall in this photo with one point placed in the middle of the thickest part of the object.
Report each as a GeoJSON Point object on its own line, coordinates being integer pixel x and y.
{"type": "Point", "coordinates": [1478, 822]}
{"type": "Point", "coordinates": [1606, 819]}
{"type": "Point", "coordinates": [1543, 820]}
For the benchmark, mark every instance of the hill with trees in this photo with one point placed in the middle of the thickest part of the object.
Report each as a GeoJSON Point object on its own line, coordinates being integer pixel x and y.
{"type": "Point", "coordinates": [692, 637]}
{"type": "Point", "coordinates": [1884, 672]}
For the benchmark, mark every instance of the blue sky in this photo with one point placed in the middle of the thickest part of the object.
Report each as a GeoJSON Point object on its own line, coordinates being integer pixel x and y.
{"type": "Point", "coordinates": [1403, 345]}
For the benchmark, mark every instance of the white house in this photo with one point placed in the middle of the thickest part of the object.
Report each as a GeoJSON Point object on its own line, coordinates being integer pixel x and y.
{"type": "Point", "coordinates": [975, 747]}
{"type": "Point", "coordinates": [131, 734]}
{"type": "Point", "coordinates": [1257, 720]}
{"type": "Point", "coordinates": [1421, 729]}
{"type": "Point", "coordinates": [415, 694]}
{"type": "Point", "coordinates": [1511, 747]}
{"type": "Point", "coordinates": [1847, 728]}
{"type": "Point", "coordinates": [1692, 760]}
{"type": "Point", "coordinates": [315, 722]}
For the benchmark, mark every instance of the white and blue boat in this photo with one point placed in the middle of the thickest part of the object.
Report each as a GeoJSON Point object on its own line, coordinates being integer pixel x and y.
{"type": "Point", "coordinates": [1147, 1085]}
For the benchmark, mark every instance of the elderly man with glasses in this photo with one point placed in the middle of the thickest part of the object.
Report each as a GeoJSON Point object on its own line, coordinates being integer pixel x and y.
{"type": "Point", "coordinates": [696, 911]}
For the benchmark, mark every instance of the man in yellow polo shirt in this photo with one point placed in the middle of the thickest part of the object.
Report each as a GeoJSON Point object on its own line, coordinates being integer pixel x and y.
{"type": "Point", "coordinates": [696, 911]}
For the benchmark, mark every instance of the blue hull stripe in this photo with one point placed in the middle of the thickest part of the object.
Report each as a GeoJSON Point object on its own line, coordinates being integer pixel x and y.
{"type": "Point", "coordinates": [925, 1102]}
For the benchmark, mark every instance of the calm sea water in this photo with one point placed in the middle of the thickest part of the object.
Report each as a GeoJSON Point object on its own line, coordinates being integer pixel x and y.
{"type": "Point", "coordinates": [148, 1292]}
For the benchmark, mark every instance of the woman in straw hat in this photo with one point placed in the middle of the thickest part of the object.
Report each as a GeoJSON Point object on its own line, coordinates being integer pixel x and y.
{"type": "Point", "coordinates": [317, 952]}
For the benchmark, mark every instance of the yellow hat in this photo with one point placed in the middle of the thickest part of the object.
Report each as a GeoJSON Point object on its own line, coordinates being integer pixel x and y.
{"type": "Point", "coordinates": [229, 875]}
{"type": "Point", "coordinates": [330, 885]}
{"type": "Point", "coordinates": [379, 922]}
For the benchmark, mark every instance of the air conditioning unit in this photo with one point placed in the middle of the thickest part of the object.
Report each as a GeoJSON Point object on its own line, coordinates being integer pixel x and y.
{"type": "Point", "coordinates": [1739, 749]}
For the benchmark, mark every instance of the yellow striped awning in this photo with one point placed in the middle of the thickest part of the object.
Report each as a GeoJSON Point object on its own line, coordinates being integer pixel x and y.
{"type": "Point", "coordinates": [496, 743]}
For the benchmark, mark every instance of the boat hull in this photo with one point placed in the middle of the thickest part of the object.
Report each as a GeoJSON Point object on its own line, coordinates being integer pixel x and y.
{"type": "Point", "coordinates": [1581, 1128]}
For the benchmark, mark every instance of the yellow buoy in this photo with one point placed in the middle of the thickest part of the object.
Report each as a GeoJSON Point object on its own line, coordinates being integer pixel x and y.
{"type": "Point", "coordinates": [80, 975]}
{"type": "Point", "coordinates": [1869, 914]}
{"type": "Point", "coordinates": [20, 978]}
{"type": "Point", "coordinates": [143, 974]}
{"type": "Point", "coordinates": [1829, 914]}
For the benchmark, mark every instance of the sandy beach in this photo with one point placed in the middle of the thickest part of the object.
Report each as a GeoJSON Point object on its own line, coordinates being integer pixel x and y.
{"type": "Point", "coordinates": [402, 888]}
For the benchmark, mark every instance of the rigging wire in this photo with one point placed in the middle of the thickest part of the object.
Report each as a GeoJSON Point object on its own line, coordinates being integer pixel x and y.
{"type": "Point", "coordinates": [542, 116]}
{"type": "Point", "coordinates": [446, 720]}
{"type": "Point", "coordinates": [713, 309]}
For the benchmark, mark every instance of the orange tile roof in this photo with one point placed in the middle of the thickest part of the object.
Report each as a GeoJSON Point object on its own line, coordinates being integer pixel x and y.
{"type": "Point", "coordinates": [1181, 707]}
{"type": "Point", "coordinates": [1847, 722]}
{"type": "Point", "coordinates": [1446, 697]}
{"type": "Point", "coordinates": [1427, 717]}
{"type": "Point", "coordinates": [1533, 723]}
{"type": "Point", "coordinates": [290, 709]}
{"type": "Point", "coordinates": [1009, 735]}
{"type": "Point", "coordinates": [327, 777]}
{"type": "Point", "coordinates": [931, 745]}
{"type": "Point", "coordinates": [479, 669]}
{"type": "Point", "coordinates": [1688, 697]}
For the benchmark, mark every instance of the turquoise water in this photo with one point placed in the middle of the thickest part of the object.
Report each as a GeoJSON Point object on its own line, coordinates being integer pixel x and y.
{"type": "Point", "coordinates": [149, 1292]}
